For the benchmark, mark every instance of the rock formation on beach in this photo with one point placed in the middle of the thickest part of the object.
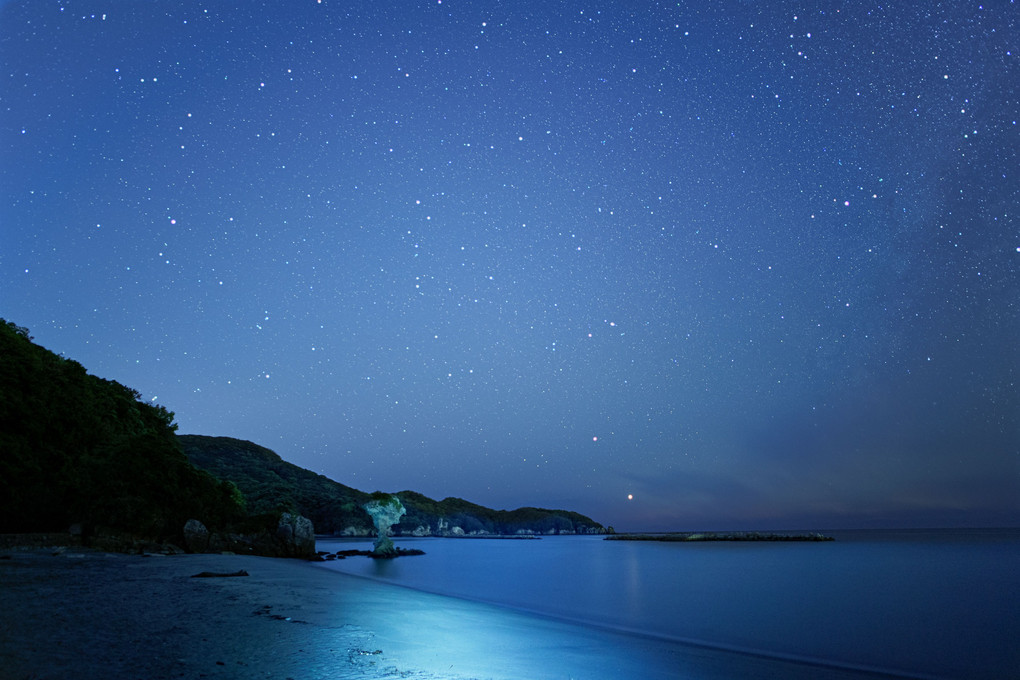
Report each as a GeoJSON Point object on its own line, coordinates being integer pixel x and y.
{"type": "Point", "coordinates": [294, 536]}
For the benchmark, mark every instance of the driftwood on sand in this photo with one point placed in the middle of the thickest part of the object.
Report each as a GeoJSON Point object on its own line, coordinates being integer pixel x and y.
{"type": "Point", "coordinates": [213, 574]}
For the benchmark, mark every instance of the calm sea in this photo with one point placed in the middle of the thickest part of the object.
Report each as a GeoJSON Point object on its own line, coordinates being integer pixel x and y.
{"type": "Point", "coordinates": [942, 604]}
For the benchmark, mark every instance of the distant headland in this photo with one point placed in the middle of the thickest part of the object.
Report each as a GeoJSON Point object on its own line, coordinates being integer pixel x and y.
{"type": "Point", "coordinates": [701, 536]}
{"type": "Point", "coordinates": [268, 481]}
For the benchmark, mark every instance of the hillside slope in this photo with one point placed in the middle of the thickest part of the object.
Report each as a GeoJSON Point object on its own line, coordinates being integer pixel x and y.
{"type": "Point", "coordinates": [270, 483]}
{"type": "Point", "coordinates": [78, 449]}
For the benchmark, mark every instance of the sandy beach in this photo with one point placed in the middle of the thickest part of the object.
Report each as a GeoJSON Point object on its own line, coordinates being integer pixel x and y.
{"type": "Point", "coordinates": [95, 615]}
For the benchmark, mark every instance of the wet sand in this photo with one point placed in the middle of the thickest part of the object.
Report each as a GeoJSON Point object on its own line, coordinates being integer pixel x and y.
{"type": "Point", "coordinates": [96, 615]}
{"type": "Point", "coordinates": [89, 615]}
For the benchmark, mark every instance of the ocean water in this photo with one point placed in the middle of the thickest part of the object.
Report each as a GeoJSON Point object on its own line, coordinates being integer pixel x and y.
{"type": "Point", "coordinates": [931, 604]}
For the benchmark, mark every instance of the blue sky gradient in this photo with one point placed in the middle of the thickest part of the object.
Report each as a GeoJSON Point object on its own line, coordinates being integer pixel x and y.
{"type": "Point", "coordinates": [754, 264]}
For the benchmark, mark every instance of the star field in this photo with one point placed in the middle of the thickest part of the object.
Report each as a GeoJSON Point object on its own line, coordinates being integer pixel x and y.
{"type": "Point", "coordinates": [754, 264]}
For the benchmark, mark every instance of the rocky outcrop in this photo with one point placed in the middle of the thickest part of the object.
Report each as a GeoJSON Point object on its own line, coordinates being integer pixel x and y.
{"type": "Point", "coordinates": [386, 510]}
{"type": "Point", "coordinates": [389, 554]}
{"type": "Point", "coordinates": [293, 536]}
{"type": "Point", "coordinates": [196, 536]}
{"type": "Point", "coordinates": [296, 534]}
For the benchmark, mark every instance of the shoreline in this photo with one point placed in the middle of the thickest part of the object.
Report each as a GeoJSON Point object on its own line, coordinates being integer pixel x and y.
{"type": "Point", "coordinates": [98, 615]}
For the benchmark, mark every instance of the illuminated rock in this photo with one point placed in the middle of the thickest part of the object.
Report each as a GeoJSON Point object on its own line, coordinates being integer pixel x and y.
{"type": "Point", "coordinates": [386, 511]}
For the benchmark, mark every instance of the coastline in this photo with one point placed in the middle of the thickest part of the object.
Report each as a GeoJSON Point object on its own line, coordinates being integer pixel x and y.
{"type": "Point", "coordinates": [96, 615]}
{"type": "Point", "coordinates": [736, 536]}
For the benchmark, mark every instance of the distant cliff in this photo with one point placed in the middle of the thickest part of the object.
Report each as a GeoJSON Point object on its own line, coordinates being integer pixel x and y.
{"type": "Point", "coordinates": [269, 483]}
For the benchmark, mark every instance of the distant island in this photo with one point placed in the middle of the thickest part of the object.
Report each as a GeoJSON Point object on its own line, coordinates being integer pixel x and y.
{"type": "Point", "coordinates": [701, 536]}
{"type": "Point", "coordinates": [87, 461]}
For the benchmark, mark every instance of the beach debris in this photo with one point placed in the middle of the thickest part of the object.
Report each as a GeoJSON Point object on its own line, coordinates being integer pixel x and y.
{"type": "Point", "coordinates": [267, 610]}
{"type": "Point", "coordinates": [214, 574]}
{"type": "Point", "coordinates": [364, 658]}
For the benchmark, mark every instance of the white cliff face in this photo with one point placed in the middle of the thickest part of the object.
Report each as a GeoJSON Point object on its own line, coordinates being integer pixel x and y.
{"type": "Point", "coordinates": [385, 513]}
{"type": "Point", "coordinates": [354, 531]}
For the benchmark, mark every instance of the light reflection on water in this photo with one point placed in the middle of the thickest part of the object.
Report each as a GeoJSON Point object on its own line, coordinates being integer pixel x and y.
{"type": "Point", "coordinates": [942, 604]}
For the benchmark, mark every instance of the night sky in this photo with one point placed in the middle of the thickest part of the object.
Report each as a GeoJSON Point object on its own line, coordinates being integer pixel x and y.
{"type": "Point", "coordinates": [753, 263]}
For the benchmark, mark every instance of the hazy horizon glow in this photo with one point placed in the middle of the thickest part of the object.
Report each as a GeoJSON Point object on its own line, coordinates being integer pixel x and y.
{"type": "Point", "coordinates": [747, 265]}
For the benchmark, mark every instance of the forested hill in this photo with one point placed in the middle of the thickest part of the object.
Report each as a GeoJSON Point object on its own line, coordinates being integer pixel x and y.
{"type": "Point", "coordinates": [270, 483]}
{"type": "Point", "coordinates": [78, 449]}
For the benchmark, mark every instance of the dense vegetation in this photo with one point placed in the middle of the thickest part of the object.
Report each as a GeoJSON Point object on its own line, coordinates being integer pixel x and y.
{"type": "Point", "coordinates": [269, 483]}
{"type": "Point", "coordinates": [77, 449]}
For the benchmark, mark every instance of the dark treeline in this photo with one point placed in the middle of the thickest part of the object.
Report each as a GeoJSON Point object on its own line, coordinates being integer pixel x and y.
{"type": "Point", "coordinates": [77, 449]}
